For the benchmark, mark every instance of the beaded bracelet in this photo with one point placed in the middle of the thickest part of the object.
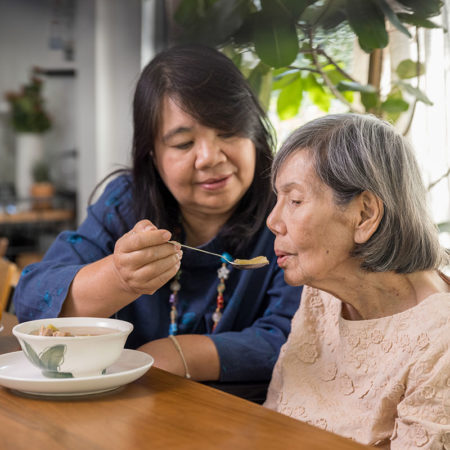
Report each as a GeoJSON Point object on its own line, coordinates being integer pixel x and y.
{"type": "Point", "coordinates": [178, 347]}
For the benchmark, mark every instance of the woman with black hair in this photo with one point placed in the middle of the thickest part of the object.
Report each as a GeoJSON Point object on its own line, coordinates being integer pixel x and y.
{"type": "Point", "coordinates": [202, 152]}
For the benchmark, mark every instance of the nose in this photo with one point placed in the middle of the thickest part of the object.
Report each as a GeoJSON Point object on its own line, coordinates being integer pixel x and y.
{"type": "Point", "coordinates": [209, 152]}
{"type": "Point", "coordinates": [274, 221]}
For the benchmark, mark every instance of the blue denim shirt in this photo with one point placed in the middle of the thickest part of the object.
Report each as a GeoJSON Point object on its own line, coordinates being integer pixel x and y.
{"type": "Point", "coordinates": [258, 307]}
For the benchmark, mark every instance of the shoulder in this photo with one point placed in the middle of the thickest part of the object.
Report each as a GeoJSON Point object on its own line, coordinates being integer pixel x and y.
{"type": "Point", "coordinates": [431, 316]}
{"type": "Point", "coordinates": [117, 189]}
{"type": "Point", "coordinates": [115, 206]}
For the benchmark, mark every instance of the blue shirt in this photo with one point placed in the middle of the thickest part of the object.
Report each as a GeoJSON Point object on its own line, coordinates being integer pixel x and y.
{"type": "Point", "coordinates": [258, 307]}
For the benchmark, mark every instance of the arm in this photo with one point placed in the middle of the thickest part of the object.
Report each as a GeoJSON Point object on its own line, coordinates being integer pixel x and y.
{"type": "Point", "coordinates": [423, 413]}
{"type": "Point", "coordinates": [199, 352]}
{"type": "Point", "coordinates": [87, 255]}
{"type": "Point", "coordinates": [142, 262]}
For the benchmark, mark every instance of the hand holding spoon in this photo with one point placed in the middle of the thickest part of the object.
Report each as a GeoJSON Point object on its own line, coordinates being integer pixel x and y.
{"type": "Point", "coordinates": [242, 264]}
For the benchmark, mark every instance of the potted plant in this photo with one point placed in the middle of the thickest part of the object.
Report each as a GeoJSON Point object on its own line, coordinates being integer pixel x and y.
{"type": "Point", "coordinates": [30, 120]}
{"type": "Point", "coordinates": [42, 190]}
{"type": "Point", "coordinates": [27, 107]}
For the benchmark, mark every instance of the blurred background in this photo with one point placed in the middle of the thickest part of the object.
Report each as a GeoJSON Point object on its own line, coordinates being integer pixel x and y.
{"type": "Point", "coordinates": [68, 70]}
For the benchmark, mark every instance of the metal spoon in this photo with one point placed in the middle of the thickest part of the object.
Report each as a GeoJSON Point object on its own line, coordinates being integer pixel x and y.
{"type": "Point", "coordinates": [242, 264]}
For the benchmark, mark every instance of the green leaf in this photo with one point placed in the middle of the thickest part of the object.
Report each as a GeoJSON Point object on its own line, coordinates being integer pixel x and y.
{"type": "Point", "coordinates": [354, 86]}
{"type": "Point", "coordinates": [367, 21]}
{"type": "Point", "coordinates": [244, 35]}
{"type": "Point", "coordinates": [317, 93]}
{"type": "Point", "coordinates": [417, 21]}
{"type": "Point", "coordinates": [417, 93]}
{"type": "Point", "coordinates": [393, 18]}
{"type": "Point", "coordinates": [285, 9]}
{"type": "Point", "coordinates": [276, 42]}
{"type": "Point", "coordinates": [188, 11]}
{"type": "Point", "coordinates": [395, 105]}
{"type": "Point", "coordinates": [369, 100]}
{"type": "Point", "coordinates": [285, 78]}
{"type": "Point", "coordinates": [52, 374]}
{"type": "Point", "coordinates": [326, 15]}
{"type": "Point", "coordinates": [32, 355]}
{"type": "Point", "coordinates": [423, 8]}
{"type": "Point", "coordinates": [53, 357]}
{"type": "Point", "coordinates": [408, 69]}
{"type": "Point", "coordinates": [289, 99]}
{"type": "Point", "coordinates": [211, 23]}
{"type": "Point", "coordinates": [260, 80]}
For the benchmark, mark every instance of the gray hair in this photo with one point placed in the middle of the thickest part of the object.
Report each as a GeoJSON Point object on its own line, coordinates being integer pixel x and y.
{"type": "Point", "coordinates": [355, 153]}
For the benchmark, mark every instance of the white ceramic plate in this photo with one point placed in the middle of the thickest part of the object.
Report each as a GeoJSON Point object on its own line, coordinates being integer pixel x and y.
{"type": "Point", "coordinates": [17, 373]}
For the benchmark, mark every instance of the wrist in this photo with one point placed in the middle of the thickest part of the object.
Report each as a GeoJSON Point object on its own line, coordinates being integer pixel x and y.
{"type": "Point", "coordinates": [180, 352]}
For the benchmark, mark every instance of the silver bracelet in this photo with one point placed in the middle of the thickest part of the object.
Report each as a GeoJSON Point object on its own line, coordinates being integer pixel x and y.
{"type": "Point", "coordinates": [178, 347]}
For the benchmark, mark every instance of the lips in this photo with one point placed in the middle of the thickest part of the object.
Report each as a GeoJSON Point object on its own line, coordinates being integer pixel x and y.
{"type": "Point", "coordinates": [282, 257]}
{"type": "Point", "coordinates": [215, 183]}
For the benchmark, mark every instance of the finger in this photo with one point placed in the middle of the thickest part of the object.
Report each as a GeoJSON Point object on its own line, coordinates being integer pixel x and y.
{"type": "Point", "coordinates": [164, 278]}
{"type": "Point", "coordinates": [149, 255]}
{"type": "Point", "coordinates": [144, 225]}
{"type": "Point", "coordinates": [134, 241]}
{"type": "Point", "coordinates": [152, 276]}
{"type": "Point", "coordinates": [156, 254]}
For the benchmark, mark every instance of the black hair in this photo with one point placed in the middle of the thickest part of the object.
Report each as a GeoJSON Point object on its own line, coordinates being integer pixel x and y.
{"type": "Point", "coordinates": [209, 87]}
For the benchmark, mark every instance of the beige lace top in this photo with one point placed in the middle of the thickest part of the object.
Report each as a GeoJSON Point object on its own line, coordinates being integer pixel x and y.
{"type": "Point", "coordinates": [383, 382]}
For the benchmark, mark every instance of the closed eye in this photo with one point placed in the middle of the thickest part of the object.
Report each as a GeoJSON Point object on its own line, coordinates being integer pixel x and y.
{"type": "Point", "coordinates": [184, 145]}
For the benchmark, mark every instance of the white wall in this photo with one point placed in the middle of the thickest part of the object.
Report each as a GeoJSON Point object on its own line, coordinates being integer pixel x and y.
{"type": "Point", "coordinates": [108, 33]}
{"type": "Point", "coordinates": [24, 35]}
{"type": "Point", "coordinates": [91, 112]}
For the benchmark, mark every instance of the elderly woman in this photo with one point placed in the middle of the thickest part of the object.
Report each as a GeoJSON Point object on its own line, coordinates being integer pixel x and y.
{"type": "Point", "coordinates": [368, 354]}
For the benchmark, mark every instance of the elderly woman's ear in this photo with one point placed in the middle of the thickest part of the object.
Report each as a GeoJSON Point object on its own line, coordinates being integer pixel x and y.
{"type": "Point", "coordinates": [370, 212]}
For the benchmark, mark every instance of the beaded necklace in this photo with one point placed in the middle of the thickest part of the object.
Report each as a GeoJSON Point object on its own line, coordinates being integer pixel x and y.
{"type": "Point", "coordinates": [175, 286]}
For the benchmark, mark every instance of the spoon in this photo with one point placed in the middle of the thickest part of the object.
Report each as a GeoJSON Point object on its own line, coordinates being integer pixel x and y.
{"type": "Point", "coordinates": [242, 264]}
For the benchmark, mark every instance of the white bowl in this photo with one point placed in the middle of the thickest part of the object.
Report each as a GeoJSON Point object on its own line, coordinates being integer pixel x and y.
{"type": "Point", "coordinates": [73, 356]}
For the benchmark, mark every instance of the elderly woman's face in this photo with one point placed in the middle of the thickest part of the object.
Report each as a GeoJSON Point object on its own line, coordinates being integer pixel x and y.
{"type": "Point", "coordinates": [206, 170]}
{"type": "Point", "coordinates": [314, 236]}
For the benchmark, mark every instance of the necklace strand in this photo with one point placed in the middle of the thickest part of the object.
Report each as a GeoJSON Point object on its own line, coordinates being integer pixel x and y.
{"type": "Point", "coordinates": [175, 286]}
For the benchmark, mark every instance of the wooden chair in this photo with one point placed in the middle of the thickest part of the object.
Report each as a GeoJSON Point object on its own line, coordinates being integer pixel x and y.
{"type": "Point", "coordinates": [4, 242]}
{"type": "Point", "coordinates": [9, 275]}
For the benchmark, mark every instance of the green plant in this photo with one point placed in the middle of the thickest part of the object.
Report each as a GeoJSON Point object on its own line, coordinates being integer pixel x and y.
{"type": "Point", "coordinates": [41, 172]}
{"type": "Point", "coordinates": [27, 108]}
{"type": "Point", "coordinates": [292, 49]}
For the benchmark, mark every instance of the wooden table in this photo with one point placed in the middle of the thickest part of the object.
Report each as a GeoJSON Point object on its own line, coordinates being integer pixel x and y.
{"type": "Point", "coordinates": [157, 411]}
{"type": "Point", "coordinates": [34, 216]}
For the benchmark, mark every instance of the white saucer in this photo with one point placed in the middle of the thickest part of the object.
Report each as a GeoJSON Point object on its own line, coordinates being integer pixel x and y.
{"type": "Point", "coordinates": [17, 373]}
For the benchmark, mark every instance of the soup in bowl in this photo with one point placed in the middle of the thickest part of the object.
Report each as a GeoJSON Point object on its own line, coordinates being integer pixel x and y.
{"type": "Point", "coordinates": [72, 347]}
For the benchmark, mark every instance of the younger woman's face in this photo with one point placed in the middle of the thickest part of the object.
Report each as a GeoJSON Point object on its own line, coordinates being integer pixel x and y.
{"type": "Point", "coordinates": [206, 170]}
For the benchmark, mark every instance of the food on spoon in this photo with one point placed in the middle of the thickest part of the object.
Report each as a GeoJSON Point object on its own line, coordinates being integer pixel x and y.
{"type": "Point", "coordinates": [257, 260]}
